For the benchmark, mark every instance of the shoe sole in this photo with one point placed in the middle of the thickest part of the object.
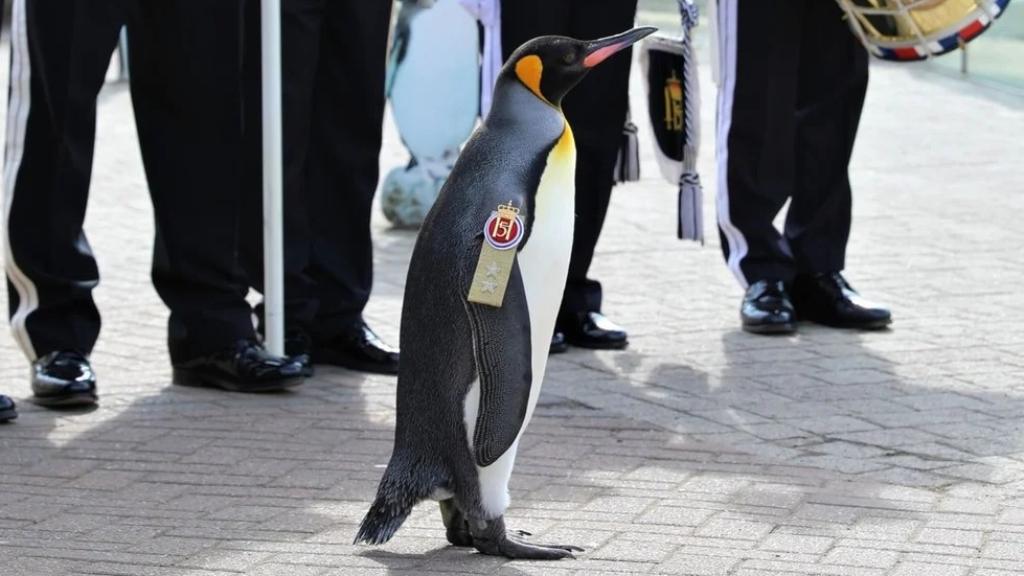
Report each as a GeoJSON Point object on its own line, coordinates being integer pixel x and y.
{"type": "Point", "coordinates": [559, 349]}
{"type": "Point", "coordinates": [357, 367]}
{"type": "Point", "coordinates": [182, 377]}
{"type": "Point", "coordinates": [331, 360]}
{"type": "Point", "coordinates": [771, 329]}
{"type": "Point", "coordinates": [8, 415]}
{"type": "Point", "coordinates": [874, 325]}
{"type": "Point", "coordinates": [80, 400]}
{"type": "Point", "coordinates": [611, 346]}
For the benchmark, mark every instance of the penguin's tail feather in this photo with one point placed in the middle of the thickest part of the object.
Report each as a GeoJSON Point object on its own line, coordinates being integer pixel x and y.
{"type": "Point", "coordinates": [382, 521]}
{"type": "Point", "coordinates": [401, 488]}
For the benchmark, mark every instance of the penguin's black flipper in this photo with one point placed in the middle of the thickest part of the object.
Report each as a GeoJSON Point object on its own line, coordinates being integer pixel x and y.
{"type": "Point", "coordinates": [501, 344]}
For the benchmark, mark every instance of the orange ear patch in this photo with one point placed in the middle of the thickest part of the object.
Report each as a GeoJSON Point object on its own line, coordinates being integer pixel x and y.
{"type": "Point", "coordinates": [529, 70]}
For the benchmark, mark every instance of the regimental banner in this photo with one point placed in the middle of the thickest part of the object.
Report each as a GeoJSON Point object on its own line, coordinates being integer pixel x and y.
{"type": "Point", "coordinates": [673, 99]}
{"type": "Point", "coordinates": [665, 101]}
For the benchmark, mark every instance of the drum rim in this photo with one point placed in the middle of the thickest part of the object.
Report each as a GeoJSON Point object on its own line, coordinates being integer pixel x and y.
{"type": "Point", "coordinates": [934, 44]}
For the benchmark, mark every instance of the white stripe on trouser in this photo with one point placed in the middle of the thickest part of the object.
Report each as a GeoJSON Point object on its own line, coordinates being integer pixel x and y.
{"type": "Point", "coordinates": [17, 120]}
{"type": "Point", "coordinates": [727, 15]}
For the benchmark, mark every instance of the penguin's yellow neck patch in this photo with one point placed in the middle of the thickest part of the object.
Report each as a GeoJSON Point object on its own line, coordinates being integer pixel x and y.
{"type": "Point", "coordinates": [529, 70]}
{"type": "Point", "coordinates": [565, 148]}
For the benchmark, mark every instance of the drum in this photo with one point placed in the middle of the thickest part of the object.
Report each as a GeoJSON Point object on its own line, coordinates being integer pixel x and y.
{"type": "Point", "coordinates": [905, 30]}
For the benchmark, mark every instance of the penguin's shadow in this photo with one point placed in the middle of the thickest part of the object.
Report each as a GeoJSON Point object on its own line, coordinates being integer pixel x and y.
{"type": "Point", "coordinates": [444, 558]}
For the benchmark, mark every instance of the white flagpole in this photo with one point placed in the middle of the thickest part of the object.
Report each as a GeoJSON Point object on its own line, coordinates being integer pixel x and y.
{"type": "Point", "coordinates": [273, 182]}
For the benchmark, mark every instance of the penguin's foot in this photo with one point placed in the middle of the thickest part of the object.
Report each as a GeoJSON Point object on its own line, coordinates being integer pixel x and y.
{"type": "Point", "coordinates": [520, 536]}
{"type": "Point", "coordinates": [511, 547]}
{"type": "Point", "coordinates": [456, 527]}
{"type": "Point", "coordinates": [492, 539]}
{"type": "Point", "coordinates": [459, 537]}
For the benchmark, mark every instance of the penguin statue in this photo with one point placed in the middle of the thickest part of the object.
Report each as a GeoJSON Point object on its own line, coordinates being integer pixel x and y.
{"type": "Point", "coordinates": [484, 286]}
{"type": "Point", "coordinates": [433, 85]}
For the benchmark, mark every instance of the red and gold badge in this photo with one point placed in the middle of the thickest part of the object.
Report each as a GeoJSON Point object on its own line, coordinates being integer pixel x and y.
{"type": "Point", "coordinates": [503, 231]}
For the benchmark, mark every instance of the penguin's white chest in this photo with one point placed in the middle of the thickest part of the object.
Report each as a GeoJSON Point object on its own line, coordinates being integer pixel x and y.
{"type": "Point", "coordinates": [544, 261]}
{"type": "Point", "coordinates": [544, 265]}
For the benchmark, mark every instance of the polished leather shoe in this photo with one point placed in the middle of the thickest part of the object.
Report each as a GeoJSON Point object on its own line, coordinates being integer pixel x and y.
{"type": "Point", "coordinates": [63, 379]}
{"type": "Point", "coordinates": [767, 309]}
{"type": "Point", "coordinates": [298, 347]}
{"type": "Point", "coordinates": [358, 348]}
{"type": "Point", "coordinates": [594, 330]}
{"type": "Point", "coordinates": [7, 409]}
{"type": "Point", "coordinates": [558, 343]}
{"type": "Point", "coordinates": [246, 367]}
{"type": "Point", "coordinates": [830, 300]}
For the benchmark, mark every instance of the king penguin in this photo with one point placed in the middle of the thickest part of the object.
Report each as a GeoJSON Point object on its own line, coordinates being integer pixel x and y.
{"type": "Point", "coordinates": [471, 373]}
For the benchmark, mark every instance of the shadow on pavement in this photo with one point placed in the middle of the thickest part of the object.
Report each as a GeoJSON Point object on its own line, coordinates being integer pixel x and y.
{"type": "Point", "coordinates": [190, 479]}
{"type": "Point", "coordinates": [817, 434]}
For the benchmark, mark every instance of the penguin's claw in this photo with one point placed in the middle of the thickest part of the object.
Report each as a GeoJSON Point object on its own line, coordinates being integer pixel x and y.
{"type": "Point", "coordinates": [519, 550]}
{"type": "Point", "coordinates": [566, 547]}
{"type": "Point", "coordinates": [491, 538]}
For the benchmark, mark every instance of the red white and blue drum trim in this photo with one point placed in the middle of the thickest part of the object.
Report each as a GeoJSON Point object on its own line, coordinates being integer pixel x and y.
{"type": "Point", "coordinates": [963, 35]}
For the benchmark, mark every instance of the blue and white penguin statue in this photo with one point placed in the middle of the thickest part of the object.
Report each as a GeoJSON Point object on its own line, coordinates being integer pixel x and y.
{"type": "Point", "coordinates": [483, 290]}
{"type": "Point", "coordinates": [434, 89]}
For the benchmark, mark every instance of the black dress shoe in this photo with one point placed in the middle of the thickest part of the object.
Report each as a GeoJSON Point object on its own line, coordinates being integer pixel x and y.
{"type": "Point", "coordinates": [63, 379]}
{"type": "Point", "coordinates": [7, 409]}
{"type": "Point", "coordinates": [297, 347]}
{"type": "Point", "coordinates": [593, 330]}
{"type": "Point", "coordinates": [358, 348]}
{"type": "Point", "coordinates": [558, 343]}
{"type": "Point", "coordinates": [246, 367]}
{"type": "Point", "coordinates": [828, 299]}
{"type": "Point", "coordinates": [766, 309]}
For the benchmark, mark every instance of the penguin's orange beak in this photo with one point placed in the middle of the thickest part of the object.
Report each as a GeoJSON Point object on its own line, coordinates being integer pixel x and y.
{"type": "Point", "coordinates": [600, 50]}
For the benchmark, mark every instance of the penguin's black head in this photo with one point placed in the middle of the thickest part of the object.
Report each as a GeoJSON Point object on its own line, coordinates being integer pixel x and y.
{"type": "Point", "coordinates": [551, 65]}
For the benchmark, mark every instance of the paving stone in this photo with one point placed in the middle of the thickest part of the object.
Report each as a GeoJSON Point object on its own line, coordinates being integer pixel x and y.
{"type": "Point", "coordinates": [622, 551]}
{"type": "Point", "coordinates": [674, 516]}
{"type": "Point", "coordinates": [796, 543]}
{"type": "Point", "coordinates": [1004, 550]}
{"type": "Point", "coordinates": [867, 557]}
{"type": "Point", "coordinates": [273, 569]}
{"type": "Point", "coordinates": [233, 561]}
{"type": "Point", "coordinates": [919, 568]}
{"type": "Point", "coordinates": [783, 567]}
{"type": "Point", "coordinates": [733, 528]}
{"type": "Point", "coordinates": [969, 538]}
{"type": "Point", "coordinates": [697, 565]}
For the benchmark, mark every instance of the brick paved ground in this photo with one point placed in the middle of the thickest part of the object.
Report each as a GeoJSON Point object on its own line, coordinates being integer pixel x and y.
{"type": "Point", "coordinates": [699, 451]}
